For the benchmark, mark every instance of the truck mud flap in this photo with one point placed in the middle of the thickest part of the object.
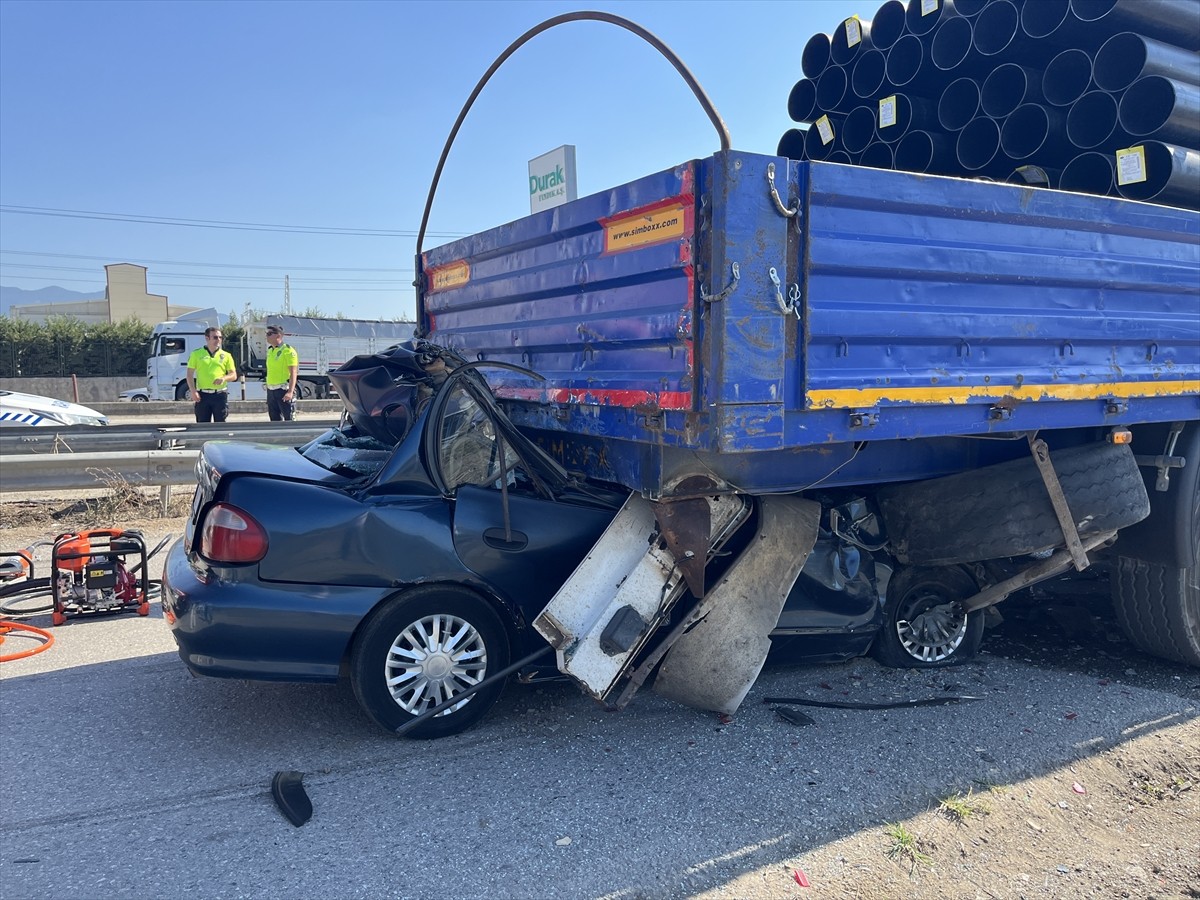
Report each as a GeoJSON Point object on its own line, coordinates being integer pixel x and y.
{"type": "Point", "coordinates": [713, 664]}
{"type": "Point", "coordinates": [617, 598]}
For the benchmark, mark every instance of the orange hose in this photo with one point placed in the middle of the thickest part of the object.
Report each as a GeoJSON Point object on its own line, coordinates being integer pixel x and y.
{"type": "Point", "coordinates": [6, 626]}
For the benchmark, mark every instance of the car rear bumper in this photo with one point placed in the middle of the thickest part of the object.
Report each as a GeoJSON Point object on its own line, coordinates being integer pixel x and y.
{"type": "Point", "coordinates": [264, 631]}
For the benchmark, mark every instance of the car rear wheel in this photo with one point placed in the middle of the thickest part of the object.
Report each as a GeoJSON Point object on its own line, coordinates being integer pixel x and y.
{"type": "Point", "coordinates": [925, 625]}
{"type": "Point", "coordinates": [423, 648]}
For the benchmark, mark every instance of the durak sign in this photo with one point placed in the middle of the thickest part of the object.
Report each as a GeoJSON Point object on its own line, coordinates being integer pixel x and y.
{"type": "Point", "coordinates": [552, 178]}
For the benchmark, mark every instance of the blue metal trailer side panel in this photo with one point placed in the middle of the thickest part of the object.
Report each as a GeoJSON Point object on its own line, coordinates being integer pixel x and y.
{"type": "Point", "coordinates": [930, 290]}
{"type": "Point", "coordinates": [597, 295]}
{"type": "Point", "coordinates": [686, 322]}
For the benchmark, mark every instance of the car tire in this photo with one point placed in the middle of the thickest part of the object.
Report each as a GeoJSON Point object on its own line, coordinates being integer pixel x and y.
{"type": "Point", "coordinates": [924, 623]}
{"type": "Point", "coordinates": [1004, 510]}
{"type": "Point", "coordinates": [140, 398]}
{"type": "Point", "coordinates": [422, 648]}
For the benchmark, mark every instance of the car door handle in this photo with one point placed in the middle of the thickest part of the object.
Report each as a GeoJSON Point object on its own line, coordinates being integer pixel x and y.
{"type": "Point", "coordinates": [494, 537]}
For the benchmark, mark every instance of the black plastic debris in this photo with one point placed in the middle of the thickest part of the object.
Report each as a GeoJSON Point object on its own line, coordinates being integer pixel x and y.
{"type": "Point", "coordinates": [288, 790]}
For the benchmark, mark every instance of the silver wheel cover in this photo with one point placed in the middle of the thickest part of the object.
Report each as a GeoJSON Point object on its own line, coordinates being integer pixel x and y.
{"type": "Point", "coordinates": [935, 632]}
{"type": "Point", "coordinates": [432, 660]}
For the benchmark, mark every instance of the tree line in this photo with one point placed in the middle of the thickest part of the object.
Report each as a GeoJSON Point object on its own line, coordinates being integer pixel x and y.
{"type": "Point", "coordinates": [63, 346]}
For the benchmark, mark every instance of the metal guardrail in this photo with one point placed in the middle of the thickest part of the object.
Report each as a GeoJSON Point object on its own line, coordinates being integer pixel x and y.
{"type": "Point", "coordinates": [73, 471]}
{"type": "Point", "coordinates": [87, 439]}
{"type": "Point", "coordinates": [54, 459]}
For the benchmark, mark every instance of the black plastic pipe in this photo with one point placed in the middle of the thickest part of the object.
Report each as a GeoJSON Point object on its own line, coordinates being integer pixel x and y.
{"type": "Point", "coordinates": [950, 48]}
{"type": "Point", "coordinates": [909, 69]}
{"type": "Point", "coordinates": [978, 145]}
{"type": "Point", "coordinates": [922, 18]}
{"type": "Point", "coordinates": [815, 57]}
{"type": "Point", "coordinates": [997, 28]}
{"type": "Point", "coordinates": [868, 74]}
{"type": "Point", "coordinates": [791, 144]}
{"type": "Point", "coordinates": [1088, 173]}
{"type": "Point", "coordinates": [815, 146]}
{"type": "Point", "coordinates": [1007, 87]}
{"type": "Point", "coordinates": [1170, 21]}
{"type": "Point", "coordinates": [1163, 109]}
{"type": "Point", "coordinates": [970, 8]}
{"type": "Point", "coordinates": [1035, 176]}
{"type": "Point", "coordinates": [958, 104]}
{"type": "Point", "coordinates": [1092, 121]}
{"type": "Point", "coordinates": [832, 89]}
{"type": "Point", "coordinates": [887, 24]}
{"type": "Point", "coordinates": [1036, 132]}
{"type": "Point", "coordinates": [1126, 57]}
{"type": "Point", "coordinates": [900, 114]}
{"type": "Point", "coordinates": [841, 51]}
{"type": "Point", "coordinates": [802, 101]}
{"type": "Point", "coordinates": [840, 156]}
{"type": "Point", "coordinates": [859, 129]}
{"type": "Point", "coordinates": [925, 151]}
{"type": "Point", "coordinates": [877, 156]}
{"type": "Point", "coordinates": [1068, 75]}
{"type": "Point", "coordinates": [1172, 176]}
{"type": "Point", "coordinates": [1052, 22]}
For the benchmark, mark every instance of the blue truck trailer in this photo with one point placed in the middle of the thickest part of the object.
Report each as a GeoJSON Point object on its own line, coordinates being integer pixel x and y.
{"type": "Point", "coordinates": [941, 373]}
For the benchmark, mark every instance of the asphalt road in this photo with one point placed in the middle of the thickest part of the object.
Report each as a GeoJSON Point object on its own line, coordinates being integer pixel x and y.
{"type": "Point", "coordinates": [124, 776]}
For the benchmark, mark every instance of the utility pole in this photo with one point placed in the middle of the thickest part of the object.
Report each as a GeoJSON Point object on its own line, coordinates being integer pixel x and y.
{"type": "Point", "coordinates": [287, 297]}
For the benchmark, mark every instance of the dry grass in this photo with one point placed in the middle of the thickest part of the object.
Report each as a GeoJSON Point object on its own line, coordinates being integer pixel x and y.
{"type": "Point", "coordinates": [115, 502]}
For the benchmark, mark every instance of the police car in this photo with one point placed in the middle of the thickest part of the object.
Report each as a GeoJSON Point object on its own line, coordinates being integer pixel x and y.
{"type": "Point", "coordinates": [17, 409]}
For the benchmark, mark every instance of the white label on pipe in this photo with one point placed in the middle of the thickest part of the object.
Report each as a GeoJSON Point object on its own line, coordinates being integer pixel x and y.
{"type": "Point", "coordinates": [1131, 165]}
{"type": "Point", "coordinates": [853, 31]}
{"type": "Point", "coordinates": [928, 6]}
{"type": "Point", "coordinates": [824, 129]}
{"type": "Point", "coordinates": [887, 111]}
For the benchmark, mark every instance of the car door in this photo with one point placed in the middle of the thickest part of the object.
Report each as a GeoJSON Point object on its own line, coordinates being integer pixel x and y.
{"type": "Point", "coordinates": [509, 528]}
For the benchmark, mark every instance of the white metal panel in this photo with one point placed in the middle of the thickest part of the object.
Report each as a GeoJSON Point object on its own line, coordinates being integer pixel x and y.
{"type": "Point", "coordinates": [628, 566]}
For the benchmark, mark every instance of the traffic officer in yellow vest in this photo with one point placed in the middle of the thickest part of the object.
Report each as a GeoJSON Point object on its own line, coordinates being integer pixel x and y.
{"type": "Point", "coordinates": [283, 362]}
{"type": "Point", "coordinates": [209, 373]}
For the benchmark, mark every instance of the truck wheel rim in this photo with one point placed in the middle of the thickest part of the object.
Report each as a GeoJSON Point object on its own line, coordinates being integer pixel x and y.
{"type": "Point", "coordinates": [432, 660]}
{"type": "Point", "coordinates": [931, 630]}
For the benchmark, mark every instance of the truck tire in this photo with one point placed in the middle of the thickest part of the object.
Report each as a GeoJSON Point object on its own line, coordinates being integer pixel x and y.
{"type": "Point", "coordinates": [1158, 606]}
{"type": "Point", "coordinates": [1004, 510]}
{"type": "Point", "coordinates": [181, 391]}
{"type": "Point", "coordinates": [426, 646]}
{"type": "Point", "coordinates": [924, 623]}
{"type": "Point", "coordinates": [305, 390]}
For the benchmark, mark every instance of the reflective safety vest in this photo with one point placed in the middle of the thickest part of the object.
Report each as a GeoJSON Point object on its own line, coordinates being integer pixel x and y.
{"type": "Point", "coordinates": [279, 362]}
{"type": "Point", "coordinates": [208, 366]}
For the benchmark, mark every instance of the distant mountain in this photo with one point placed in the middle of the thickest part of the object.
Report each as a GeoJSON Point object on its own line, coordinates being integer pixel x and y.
{"type": "Point", "coordinates": [15, 296]}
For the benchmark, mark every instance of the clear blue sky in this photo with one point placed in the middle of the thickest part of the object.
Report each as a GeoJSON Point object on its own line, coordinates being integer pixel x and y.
{"type": "Point", "coordinates": [332, 116]}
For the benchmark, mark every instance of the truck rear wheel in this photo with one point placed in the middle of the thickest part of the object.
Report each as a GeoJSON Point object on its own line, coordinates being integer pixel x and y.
{"type": "Point", "coordinates": [1004, 510]}
{"type": "Point", "coordinates": [1158, 608]}
{"type": "Point", "coordinates": [1158, 604]}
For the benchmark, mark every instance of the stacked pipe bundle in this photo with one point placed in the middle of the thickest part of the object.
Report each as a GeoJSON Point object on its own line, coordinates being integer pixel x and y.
{"type": "Point", "coordinates": [1093, 96]}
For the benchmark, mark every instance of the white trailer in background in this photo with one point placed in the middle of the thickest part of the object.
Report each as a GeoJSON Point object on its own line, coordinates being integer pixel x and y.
{"type": "Point", "coordinates": [322, 345]}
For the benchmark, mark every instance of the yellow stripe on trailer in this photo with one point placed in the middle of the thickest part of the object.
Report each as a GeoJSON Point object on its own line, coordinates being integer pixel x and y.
{"type": "Point", "coordinates": [851, 398]}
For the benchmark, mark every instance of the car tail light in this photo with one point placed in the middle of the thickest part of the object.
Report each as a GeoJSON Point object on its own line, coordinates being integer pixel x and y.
{"type": "Point", "coordinates": [230, 535]}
